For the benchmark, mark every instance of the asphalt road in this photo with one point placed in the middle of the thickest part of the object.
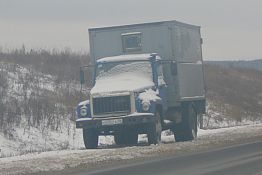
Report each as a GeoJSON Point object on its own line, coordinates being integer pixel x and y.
{"type": "Point", "coordinates": [245, 159]}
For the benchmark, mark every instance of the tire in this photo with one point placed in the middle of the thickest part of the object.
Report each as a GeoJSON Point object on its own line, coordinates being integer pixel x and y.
{"type": "Point", "coordinates": [155, 130]}
{"type": "Point", "coordinates": [131, 137]}
{"type": "Point", "coordinates": [187, 129]}
{"type": "Point", "coordinates": [126, 137]}
{"type": "Point", "coordinates": [90, 137]}
{"type": "Point", "coordinates": [119, 138]}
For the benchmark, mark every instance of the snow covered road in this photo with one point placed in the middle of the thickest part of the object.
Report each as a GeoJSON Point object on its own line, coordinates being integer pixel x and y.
{"type": "Point", "coordinates": [68, 160]}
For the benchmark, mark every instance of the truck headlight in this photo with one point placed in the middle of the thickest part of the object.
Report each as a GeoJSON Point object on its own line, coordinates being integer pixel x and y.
{"type": "Point", "coordinates": [145, 106]}
{"type": "Point", "coordinates": [83, 112]}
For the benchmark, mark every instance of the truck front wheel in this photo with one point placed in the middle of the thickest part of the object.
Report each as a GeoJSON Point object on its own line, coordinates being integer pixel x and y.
{"type": "Point", "coordinates": [126, 137]}
{"type": "Point", "coordinates": [90, 137]}
{"type": "Point", "coordinates": [155, 130]}
{"type": "Point", "coordinates": [187, 129]}
{"type": "Point", "coordinates": [119, 138]}
{"type": "Point", "coordinates": [131, 137]}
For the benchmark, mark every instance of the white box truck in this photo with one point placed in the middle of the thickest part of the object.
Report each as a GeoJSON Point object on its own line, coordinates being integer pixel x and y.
{"type": "Point", "coordinates": [146, 78]}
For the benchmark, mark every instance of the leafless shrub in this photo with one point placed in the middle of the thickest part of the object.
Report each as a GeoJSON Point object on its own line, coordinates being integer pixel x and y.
{"type": "Point", "coordinates": [3, 91]}
{"type": "Point", "coordinates": [42, 108]}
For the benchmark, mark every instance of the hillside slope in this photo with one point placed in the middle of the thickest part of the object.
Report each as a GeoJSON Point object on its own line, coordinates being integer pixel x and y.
{"type": "Point", "coordinates": [35, 111]}
{"type": "Point", "coordinates": [235, 93]}
{"type": "Point", "coordinates": [37, 104]}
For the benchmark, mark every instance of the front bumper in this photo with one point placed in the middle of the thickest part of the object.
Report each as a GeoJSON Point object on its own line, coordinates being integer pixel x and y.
{"type": "Point", "coordinates": [129, 120]}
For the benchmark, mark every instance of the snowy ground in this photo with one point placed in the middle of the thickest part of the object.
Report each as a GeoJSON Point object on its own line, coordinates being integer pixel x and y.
{"type": "Point", "coordinates": [25, 140]}
{"type": "Point", "coordinates": [59, 160]}
{"type": "Point", "coordinates": [17, 138]}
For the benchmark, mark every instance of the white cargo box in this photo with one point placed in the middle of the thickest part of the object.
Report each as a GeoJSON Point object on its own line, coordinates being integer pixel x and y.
{"type": "Point", "coordinates": [172, 40]}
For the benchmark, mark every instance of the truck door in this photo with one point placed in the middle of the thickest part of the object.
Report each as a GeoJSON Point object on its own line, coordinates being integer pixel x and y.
{"type": "Point", "coordinates": [161, 84]}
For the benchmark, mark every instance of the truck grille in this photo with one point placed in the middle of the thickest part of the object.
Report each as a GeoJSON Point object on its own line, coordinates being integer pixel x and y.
{"type": "Point", "coordinates": [108, 105]}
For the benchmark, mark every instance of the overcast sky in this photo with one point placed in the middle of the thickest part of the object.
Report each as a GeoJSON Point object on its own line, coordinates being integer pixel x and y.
{"type": "Point", "coordinates": [230, 28]}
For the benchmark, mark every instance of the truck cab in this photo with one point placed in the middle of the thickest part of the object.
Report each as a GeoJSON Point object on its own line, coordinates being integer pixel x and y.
{"type": "Point", "coordinates": [127, 99]}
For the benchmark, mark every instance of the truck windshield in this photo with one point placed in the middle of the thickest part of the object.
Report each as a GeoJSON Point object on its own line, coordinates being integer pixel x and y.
{"type": "Point", "coordinates": [128, 70]}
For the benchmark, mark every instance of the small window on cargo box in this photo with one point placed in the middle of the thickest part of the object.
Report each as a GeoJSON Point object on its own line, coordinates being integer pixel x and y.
{"type": "Point", "coordinates": [131, 42]}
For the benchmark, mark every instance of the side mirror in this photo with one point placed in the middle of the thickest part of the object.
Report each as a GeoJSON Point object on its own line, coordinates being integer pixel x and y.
{"type": "Point", "coordinates": [173, 68]}
{"type": "Point", "coordinates": [82, 76]}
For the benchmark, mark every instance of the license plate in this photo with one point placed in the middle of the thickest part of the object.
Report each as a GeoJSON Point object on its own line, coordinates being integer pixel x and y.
{"type": "Point", "coordinates": [112, 122]}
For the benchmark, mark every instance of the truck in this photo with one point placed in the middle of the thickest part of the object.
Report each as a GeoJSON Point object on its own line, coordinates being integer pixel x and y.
{"type": "Point", "coordinates": [146, 78]}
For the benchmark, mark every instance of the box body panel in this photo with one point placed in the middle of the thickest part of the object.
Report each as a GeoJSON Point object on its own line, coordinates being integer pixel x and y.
{"type": "Point", "coordinates": [171, 40]}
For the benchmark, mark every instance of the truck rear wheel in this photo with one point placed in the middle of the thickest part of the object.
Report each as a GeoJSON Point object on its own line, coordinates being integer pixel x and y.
{"type": "Point", "coordinates": [187, 129]}
{"type": "Point", "coordinates": [90, 137]}
{"type": "Point", "coordinates": [155, 130]}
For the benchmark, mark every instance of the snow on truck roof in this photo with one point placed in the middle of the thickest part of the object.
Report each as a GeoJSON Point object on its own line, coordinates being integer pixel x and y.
{"type": "Point", "coordinates": [133, 57]}
{"type": "Point", "coordinates": [145, 24]}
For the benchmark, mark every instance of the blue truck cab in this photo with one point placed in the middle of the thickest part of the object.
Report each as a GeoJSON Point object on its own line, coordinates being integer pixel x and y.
{"type": "Point", "coordinates": [127, 99]}
{"type": "Point", "coordinates": [146, 78]}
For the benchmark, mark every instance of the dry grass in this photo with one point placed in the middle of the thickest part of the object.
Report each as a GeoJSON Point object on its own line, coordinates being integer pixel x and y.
{"type": "Point", "coordinates": [235, 92]}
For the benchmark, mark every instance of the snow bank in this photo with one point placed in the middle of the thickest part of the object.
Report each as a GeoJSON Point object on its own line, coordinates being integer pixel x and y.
{"type": "Point", "coordinates": [24, 140]}
{"type": "Point", "coordinates": [58, 160]}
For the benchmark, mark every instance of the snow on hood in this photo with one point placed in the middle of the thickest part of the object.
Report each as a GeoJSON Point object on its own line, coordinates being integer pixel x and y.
{"type": "Point", "coordinates": [129, 57]}
{"type": "Point", "coordinates": [121, 83]}
{"type": "Point", "coordinates": [123, 77]}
